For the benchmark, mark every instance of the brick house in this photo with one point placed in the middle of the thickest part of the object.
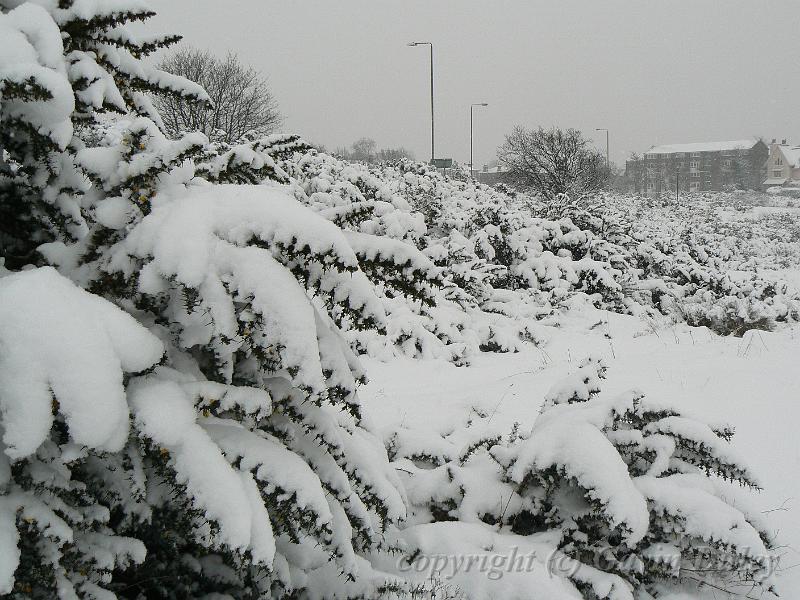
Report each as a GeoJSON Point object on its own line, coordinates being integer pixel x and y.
{"type": "Point", "coordinates": [783, 165]}
{"type": "Point", "coordinates": [699, 167]}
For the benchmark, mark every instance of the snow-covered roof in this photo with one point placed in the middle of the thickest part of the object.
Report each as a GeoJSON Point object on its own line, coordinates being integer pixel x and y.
{"type": "Point", "coordinates": [792, 155]}
{"type": "Point", "coordinates": [775, 181]}
{"type": "Point", "coordinates": [703, 147]}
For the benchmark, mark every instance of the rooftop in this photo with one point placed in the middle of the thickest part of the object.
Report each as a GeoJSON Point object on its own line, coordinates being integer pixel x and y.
{"type": "Point", "coordinates": [703, 147]}
{"type": "Point", "coordinates": [792, 155]}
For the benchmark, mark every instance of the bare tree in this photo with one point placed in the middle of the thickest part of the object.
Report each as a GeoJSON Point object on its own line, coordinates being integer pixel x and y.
{"type": "Point", "coordinates": [394, 154]}
{"type": "Point", "coordinates": [553, 161]}
{"type": "Point", "coordinates": [364, 149]}
{"type": "Point", "coordinates": [243, 105]}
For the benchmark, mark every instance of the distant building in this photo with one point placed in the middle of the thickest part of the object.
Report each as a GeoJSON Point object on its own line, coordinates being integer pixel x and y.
{"type": "Point", "coordinates": [699, 167]}
{"type": "Point", "coordinates": [491, 175]}
{"type": "Point", "coordinates": [783, 165]}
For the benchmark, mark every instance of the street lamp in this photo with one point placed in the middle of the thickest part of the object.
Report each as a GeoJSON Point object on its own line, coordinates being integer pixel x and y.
{"type": "Point", "coordinates": [471, 108]}
{"type": "Point", "coordinates": [608, 164]}
{"type": "Point", "coordinates": [433, 151]}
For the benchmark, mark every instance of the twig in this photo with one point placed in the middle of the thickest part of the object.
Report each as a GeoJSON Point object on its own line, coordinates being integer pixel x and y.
{"type": "Point", "coordinates": [499, 403]}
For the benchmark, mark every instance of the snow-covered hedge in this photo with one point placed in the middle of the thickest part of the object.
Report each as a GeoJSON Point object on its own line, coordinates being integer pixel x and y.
{"type": "Point", "coordinates": [507, 260]}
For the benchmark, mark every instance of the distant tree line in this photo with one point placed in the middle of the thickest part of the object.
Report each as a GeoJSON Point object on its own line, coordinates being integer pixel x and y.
{"type": "Point", "coordinates": [366, 150]}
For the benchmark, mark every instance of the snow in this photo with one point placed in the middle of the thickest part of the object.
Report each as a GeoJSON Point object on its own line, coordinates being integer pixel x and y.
{"type": "Point", "coordinates": [702, 147]}
{"type": "Point", "coordinates": [102, 89]}
{"type": "Point", "coordinates": [178, 230]}
{"type": "Point", "coordinates": [115, 165]}
{"type": "Point", "coordinates": [384, 248]}
{"type": "Point", "coordinates": [166, 416]}
{"type": "Point", "coordinates": [791, 154]}
{"type": "Point", "coordinates": [31, 510]}
{"type": "Point", "coordinates": [585, 454]}
{"type": "Point", "coordinates": [60, 343]}
{"type": "Point", "coordinates": [474, 559]}
{"type": "Point", "coordinates": [699, 435]}
{"type": "Point", "coordinates": [749, 382]}
{"type": "Point", "coordinates": [203, 238]}
{"type": "Point", "coordinates": [115, 213]}
{"type": "Point", "coordinates": [9, 551]}
{"type": "Point", "coordinates": [250, 155]}
{"type": "Point", "coordinates": [86, 9]}
{"type": "Point", "coordinates": [122, 60]}
{"type": "Point", "coordinates": [274, 466]}
{"type": "Point", "coordinates": [32, 48]}
{"type": "Point", "coordinates": [704, 515]}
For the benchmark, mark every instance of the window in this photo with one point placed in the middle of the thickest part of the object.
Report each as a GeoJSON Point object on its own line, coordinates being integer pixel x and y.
{"type": "Point", "coordinates": [695, 164]}
{"type": "Point", "coordinates": [778, 161]}
{"type": "Point", "coordinates": [727, 163]}
{"type": "Point", "coordinates": [777, 173]}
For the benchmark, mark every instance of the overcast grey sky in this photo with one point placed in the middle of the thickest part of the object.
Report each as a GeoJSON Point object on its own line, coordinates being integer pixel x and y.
{"type": "Point", "coordinates": [653, 72]}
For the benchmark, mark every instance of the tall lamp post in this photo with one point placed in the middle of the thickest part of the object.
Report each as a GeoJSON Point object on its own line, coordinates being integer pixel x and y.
{"type": "Point", "coordinates": [433, 137]}
{"type": "Point", "coordinates": [608, 164]}
{"type": "Point", "coordinates": [471, 108]}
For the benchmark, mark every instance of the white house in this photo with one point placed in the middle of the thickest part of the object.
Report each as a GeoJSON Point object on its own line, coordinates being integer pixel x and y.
{"type": "Point", "coordinates": [783, 165]}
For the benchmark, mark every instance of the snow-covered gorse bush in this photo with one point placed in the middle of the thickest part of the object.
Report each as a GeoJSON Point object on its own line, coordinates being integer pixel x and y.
{"type": "Point", "coordinates": [451, 323]}
{"type": "Point", "coordinates": [179, 328]}
{"type": "Point", "coordinates": [508, 260]}
{"type": "Point", "coordinates": [710, 267]}
{"type": "Point", "coordinates": [178, 409]}
{"type": "Point", "coordinates": [624, 497]}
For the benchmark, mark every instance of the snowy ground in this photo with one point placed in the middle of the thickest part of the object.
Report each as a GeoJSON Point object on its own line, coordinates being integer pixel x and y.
{"type": "Point", "coordinates": [752, 383]}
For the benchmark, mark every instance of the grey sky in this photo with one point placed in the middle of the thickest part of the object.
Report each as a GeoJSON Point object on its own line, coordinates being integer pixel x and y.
{"type": "Point", "coordinates": [653, 72]}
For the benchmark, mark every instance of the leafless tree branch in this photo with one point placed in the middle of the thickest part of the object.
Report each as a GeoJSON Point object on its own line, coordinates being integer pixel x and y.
{"type": "Point", "coordinates": [553, 161]}
{"type": "Point", "coordinates": [242, 102]}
